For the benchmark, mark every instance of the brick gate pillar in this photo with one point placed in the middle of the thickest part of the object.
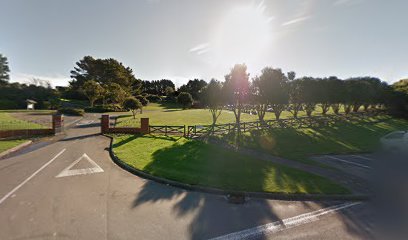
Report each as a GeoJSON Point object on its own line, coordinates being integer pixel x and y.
{"type": "Point", "coordinates": [57, 123]}
{"type": "Point", "coordinates": [144, 125]}
{"type": "Point", "coordinates": [105, 124]}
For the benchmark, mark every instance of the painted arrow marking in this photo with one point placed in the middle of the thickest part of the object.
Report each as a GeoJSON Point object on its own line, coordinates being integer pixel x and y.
{"type": "Point", "coordinates": [72, 172]}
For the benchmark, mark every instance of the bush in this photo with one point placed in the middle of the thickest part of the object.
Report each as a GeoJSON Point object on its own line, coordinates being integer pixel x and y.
{"type": "Point", "coordinates": [103, 109]}
{"type": "Point", "coordinates": [185, 99]}
{"type": "Point", "coordinates": [143, 100]}
{"type": "Point", "coordinates": [132, 104]}
{"type": "Point", "coordinates": [154, 98]}
{"type": "Point", "coordinates": [9, 104]}
{"type": "Point", "coordinates": [71, 111]}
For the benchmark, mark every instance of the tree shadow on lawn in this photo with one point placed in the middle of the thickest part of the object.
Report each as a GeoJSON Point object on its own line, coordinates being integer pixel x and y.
{"type": "Point", "coordinates": [198, 163]}
{"type": "Point", "coordinates": [300, 144]}
{"type": "Point", "coordinates": [195, 162]}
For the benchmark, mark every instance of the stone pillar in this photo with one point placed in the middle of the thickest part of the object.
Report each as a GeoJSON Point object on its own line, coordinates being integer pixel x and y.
{"type": "Point", "coordinates": [57, 123]}
{"type": "Point", "coordinates": [144, 125]}
{"type": "Point", "coordinates": [105, 124]}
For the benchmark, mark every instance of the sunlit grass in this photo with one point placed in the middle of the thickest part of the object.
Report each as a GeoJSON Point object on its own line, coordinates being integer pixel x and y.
{"type": "Point", "coordinates": [173, 114]}
{"type": "Point", "coordinates": [8, 144]}
{"type": "Point", "coordinates": [344, 137]}
{"type": "Point", "coordinates": [8, 122]}
{"type": "Point", "coordinates": [198, 163]}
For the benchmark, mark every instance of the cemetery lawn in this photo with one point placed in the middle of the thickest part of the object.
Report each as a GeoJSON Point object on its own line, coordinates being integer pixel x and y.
{"type": "Point", "coordinates": [199, 163]}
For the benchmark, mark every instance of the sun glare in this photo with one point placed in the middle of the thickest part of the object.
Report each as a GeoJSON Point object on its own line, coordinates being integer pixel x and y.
{"type": "Point", "coordinates": [242, 34]}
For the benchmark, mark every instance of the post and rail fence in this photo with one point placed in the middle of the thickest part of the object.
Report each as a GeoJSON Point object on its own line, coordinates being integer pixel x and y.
{"type": "Point", "coordinates": [194, 131]}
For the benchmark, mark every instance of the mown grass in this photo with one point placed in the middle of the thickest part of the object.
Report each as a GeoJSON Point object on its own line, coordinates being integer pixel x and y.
{"type": "Point", "coordinates": [344, 137]}
{"type": "Point", "coordinates": [198, 163]}
{"type": "Point", "coordinates": [8, 144]}
{"type": "Point", "coordinates": [173, 114]}
{"type": "Point", "coordinates": [8, 122]}
{"type": "Point", "coordinates": [361, 135]}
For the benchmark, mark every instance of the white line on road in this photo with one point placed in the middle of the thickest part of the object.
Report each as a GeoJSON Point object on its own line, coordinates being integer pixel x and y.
{"type": "Point", "coordinates": [362, 157]}
{"type": "Point", "coordinates": [72, 172]}
{"type": "Point", "coordinates": [353, 163]}
{"type": "Point", "coordinates": [30, 177]}
{"type": "Point", "coordinates": [277, 226]}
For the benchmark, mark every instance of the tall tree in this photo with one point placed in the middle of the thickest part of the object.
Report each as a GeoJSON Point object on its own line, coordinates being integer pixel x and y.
{"type": "Point", "coordinates": [116, 94]}
{"type": "Point", "coordinates": [309, 94]}
{"type": "Point", "coordinates": [295, 97]}
{"type": "Point", "coordinates": [193, 87]}
{"type": "Point", "coordinates": [104, 72]}
{"type": "Point", "coordinates": [336, 91]}
{"type": "Point", "coordinates": [185, 99]}
{"type": "Point", "coordinates": [276, 89]}
{"type": "Point", "coordinates": [236, 89]}
{"type": "Point", "coordinates": [4, 70]}
{"type": "Point", "coordinates": [211, 97]}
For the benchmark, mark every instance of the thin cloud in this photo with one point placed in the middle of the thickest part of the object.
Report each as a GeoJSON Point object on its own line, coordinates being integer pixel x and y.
{"type": "Point", "coordinates": [55, 80]}
{"type": "Point", "coordinates": [346, 2]}
{"type": "Point", "coordinates": [296, 20]}
{"type": "Point", "coordinates": [200, 49]}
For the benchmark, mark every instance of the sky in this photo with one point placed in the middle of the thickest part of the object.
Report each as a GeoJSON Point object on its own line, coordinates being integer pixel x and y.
{"type": "Point", "coordinates": [187, 39]}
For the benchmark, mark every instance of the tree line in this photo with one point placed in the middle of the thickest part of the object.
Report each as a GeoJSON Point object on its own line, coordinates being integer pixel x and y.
{"type": "Point", "coordinates": [275, 91]}
{"type": "Point", "coordinates": [107, 82]}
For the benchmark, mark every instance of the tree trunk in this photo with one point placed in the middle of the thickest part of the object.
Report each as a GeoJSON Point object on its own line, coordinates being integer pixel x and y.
{"type": "Point", "coordinates": [356, 107]}
{"type": "Point", "coordinates": [347, 108]}
{"type": "Point", "coordinates": [325, 108]}
{"type": "Point", "coordinates": [336, 108]}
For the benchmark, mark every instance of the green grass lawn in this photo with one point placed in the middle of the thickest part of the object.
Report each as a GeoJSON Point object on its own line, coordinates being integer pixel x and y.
{"type": "Point", "coordinates": [198, 163]}
{"type": "Point", "coordinates": [173, 114]}
{"type": "Point", "coordinates": [345, 137]}
{"type": "Point", "coordinates": [8, 122]}
{"type": "Point", "coordinates": [8, 144]}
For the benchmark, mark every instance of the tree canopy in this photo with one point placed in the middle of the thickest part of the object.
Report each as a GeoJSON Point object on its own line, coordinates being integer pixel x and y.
{"type": "Point", "coordinates": [4, 70]}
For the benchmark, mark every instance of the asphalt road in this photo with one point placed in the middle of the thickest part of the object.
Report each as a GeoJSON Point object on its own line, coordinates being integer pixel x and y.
{"type": "Point", "coordinates": [71, 189]}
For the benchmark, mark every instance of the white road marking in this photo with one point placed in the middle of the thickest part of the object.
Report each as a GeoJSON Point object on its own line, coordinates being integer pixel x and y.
{"type": "Point", "coordinates": [72, 172]}
{"type": "Point", "coordinates": [277, 226]}
{"type": "Point", "coordinates": [353, 163]}
{"type": "Point", "coordinates": [30, 177]}
{"type": "Point", "coordinates": [362, 157]}
{"type": "Point", "coordinates": [82, 123]}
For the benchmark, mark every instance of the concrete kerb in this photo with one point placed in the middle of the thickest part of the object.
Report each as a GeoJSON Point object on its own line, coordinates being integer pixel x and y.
{"type": "Point", "coordinates": [16, 148]}
{"type": "Point", "coordinates": [217, 191]}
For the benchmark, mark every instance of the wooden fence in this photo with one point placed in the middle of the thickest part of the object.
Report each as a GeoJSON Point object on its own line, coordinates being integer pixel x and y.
{"type": "Point", "coordinates": [168, 130]}
{"type": "Point", "coordinates": [195, 131]}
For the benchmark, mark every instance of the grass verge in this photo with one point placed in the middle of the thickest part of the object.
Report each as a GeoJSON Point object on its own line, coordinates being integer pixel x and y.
{"type": "Point", "coordinates": [8, 144]}
{"type": "Point", "coordinates": [198, 163]}
{"type": "Point", "coordinates": [8, 122]}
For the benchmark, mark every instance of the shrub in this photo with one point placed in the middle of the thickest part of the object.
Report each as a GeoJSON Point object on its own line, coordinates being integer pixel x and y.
{"type": "Point", "coordinates": [185, 99]}
{"type": "Point", "coordinates": [154, 98]}
{"type": "Point", "coordinates": [132, 104]}
{"type": "Point", "coordinates": [71, 111]}
{"type": "Point", "coordinates": [143, 100]}
{"type": "Point", "coordinates": [9, 104]}
{"type": "Point", "coordinates": [103, 109]}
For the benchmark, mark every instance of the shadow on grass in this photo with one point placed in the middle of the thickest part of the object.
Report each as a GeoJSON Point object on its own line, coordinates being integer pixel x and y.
{"type": "Point", "coordinates": [299, 144]}
{"type": "Point", "coordinates": [208, 215]}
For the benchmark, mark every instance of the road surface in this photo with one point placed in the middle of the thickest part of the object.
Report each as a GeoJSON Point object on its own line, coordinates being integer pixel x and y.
{"type": "Point", "coordinates": [71, 189]}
